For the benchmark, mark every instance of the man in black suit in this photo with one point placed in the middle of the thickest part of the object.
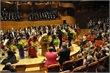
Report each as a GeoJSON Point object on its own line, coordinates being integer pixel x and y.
{"type": "Point", "coordinates": [59, 32]}
{"type": "Point", "coordinates": [28, 33]}
{"type": "Point", "coordinates": [13, 32]}
{"type": "Point", "coordinates": [64, 54]}
{"type": "Point", "coordinates": [70, 35]}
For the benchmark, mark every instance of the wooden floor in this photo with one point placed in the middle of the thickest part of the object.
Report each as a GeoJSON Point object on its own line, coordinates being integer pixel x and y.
{"type": "Point", "coordinates": [26, 60]}
{"type": "Point", "coordinates": [40, 58]}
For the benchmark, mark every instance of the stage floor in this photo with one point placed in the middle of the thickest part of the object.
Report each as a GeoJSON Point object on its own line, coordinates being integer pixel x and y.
{"type": "Point", "coordinates": [28, 60]}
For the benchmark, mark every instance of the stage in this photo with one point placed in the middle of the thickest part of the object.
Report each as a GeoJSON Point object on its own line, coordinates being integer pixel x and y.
{"type": "Point", "coordinates": [27, 60]}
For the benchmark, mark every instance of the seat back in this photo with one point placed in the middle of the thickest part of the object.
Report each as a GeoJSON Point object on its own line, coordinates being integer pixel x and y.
{"type": "Point", "coordinates": [93, 66]}
{"type": "Point", "coordinates": [106, 63]}
{"type": "Point", "coordinates": [54, 68]}
{"type": "Point", "coordinates": [102, 61]}
{"type": "Point", "coordinates": [80, 69]}
{"type": "Point", "coordinates": [67, 65]}
{"type": "Point", "coordinates": [79, 62]}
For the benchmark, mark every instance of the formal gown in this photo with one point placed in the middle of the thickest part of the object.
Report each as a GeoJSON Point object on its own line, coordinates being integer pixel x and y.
{"type": "Point", "coordinates": [31, 51]}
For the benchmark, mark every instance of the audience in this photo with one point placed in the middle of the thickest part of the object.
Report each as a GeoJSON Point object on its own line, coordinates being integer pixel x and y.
{"type": "Point", "coordinates": [94, 44]}
{"type": "Point", "coordinates": [102, 53]}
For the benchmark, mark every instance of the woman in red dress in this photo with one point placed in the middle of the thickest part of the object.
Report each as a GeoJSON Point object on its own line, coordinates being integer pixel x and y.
{"type": "Point", "coordinates": [31, 49]}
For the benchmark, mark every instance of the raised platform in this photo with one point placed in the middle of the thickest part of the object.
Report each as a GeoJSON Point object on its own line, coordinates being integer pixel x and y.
{"type": "Point", "coordinates": [28, 61]}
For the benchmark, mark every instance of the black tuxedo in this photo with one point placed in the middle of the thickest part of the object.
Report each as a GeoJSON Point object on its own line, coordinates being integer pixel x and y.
{"type": "Point", "coordinates": [51, 44]}
{"type": "Point", "coordinates": [27, 35]}
{"type": "Point", "coordinates": [70, 35]}
{"type": "Point", "coordinates": [64, 55]}
{"type": "Point", "coordinates": [59, 32]}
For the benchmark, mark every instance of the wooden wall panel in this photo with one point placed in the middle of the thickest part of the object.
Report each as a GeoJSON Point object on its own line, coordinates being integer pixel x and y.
{"type": "Point", "coordinates": [69, 19]}
{"type": "Point", "coordinates": [67, 5]}
{"type": "Point", "coordinates": [9, 24]}
{"type": "Point", "coordinates": [25, 24]}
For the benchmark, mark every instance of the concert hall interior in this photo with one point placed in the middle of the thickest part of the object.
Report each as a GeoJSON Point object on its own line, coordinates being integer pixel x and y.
{"type": "Point", "coordinates": [54, 36]}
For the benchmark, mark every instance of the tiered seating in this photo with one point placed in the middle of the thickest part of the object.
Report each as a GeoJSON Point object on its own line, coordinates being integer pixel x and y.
{"type": "Point", "coordinates": [93, 66]}
{"type": "Point", "coordinates": [80, 69]}
{"type": "Point", "coordinates": [54, 68]}
{"type": "Point", "coordinates": [48, 15]}
{"type": "Point", "coordinates": [11, 16]}
{"type": "Point", "coordinates": [67, 65]}
{"type": "Point", "coordinates": [102, 60]}
{"type": "Point", "coordinates": [78, 62]}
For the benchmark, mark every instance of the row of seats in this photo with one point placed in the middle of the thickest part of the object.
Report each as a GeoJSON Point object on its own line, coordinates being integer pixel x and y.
{"type": "Point", "coordinates": [83, 68]}
{"type": "Point", "coordinates": [43, 15]}
{"type": "Point", "coordinates": [66, 67]}
{"type": "Point", "coordinates": [11, 16]}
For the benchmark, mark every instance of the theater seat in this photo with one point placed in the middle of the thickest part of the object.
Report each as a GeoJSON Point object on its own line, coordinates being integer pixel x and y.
{"type": "Point", "coordinates": [102, 60]}
{"type": "Point", "coordinates": [106, 63]}
{"type": "Point", "coordinates": [80, 69]}
{"type": "Point", "coordinates": [67, 65]}
{"type": "Point", "coordinates": [93, 66]}
{"type": "Point", "coordinates": [78, 63]}
{"type": "Point", "coordinates": [54, 68]}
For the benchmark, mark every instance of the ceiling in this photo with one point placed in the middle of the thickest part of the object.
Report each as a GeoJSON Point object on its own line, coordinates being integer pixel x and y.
{"type": "Point", "coordinates": [27, 6]}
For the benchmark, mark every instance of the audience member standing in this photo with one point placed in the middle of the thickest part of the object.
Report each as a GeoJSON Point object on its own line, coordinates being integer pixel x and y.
{"type": "Point", "coordinates": [64, 54]}
{"type": "Point", "coordinates": [59, 32]}
{"type": "Point", "coordinates": [51, 57]}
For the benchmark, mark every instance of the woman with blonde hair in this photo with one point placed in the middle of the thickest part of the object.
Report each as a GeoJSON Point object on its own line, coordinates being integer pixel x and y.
{"type": "Point", "coordinates": [51, 57]}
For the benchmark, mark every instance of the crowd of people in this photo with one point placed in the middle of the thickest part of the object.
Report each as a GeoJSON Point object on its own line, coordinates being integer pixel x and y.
{"type": "Point", "coordinates": [29, 38]}
{"type": "Point", "coordinates": [11, 16]}
{"type": "Point", "coordinates": [48, 15]}
{"type": "Point", "coordinates": [94, 43]}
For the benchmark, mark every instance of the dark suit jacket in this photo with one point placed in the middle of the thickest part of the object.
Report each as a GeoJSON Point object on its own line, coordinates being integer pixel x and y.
{"type": "Point", "coordinates": [64, 55]}
{"type": "Point", "coordinates": [27, 35]}
{"type": "Point", "coordinates": [59, 34]}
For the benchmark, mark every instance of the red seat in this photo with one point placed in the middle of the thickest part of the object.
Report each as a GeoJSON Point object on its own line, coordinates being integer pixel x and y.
{"type": "Point", "coordinates": [80, 69]}
{"type": "Point", "coordinates": [54, 68]}
{"type": "Point", "coordinates": [67, 65]}
{"type": "Point", "coordinates": [93, 66]}
{"type": "Point", "coordinates": [79, 62]}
